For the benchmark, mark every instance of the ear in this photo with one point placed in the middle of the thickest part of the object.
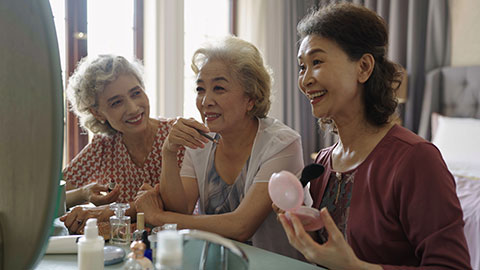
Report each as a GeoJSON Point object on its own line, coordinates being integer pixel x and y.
{"type": "Point", "coordinates": [250, 104]}
{"type": "Point", "coordinates": [97, 115]}
{"type": "Point", "coordinates": [365, 67]}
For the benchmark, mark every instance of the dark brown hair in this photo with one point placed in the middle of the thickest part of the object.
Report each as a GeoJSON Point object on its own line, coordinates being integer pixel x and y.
{"type": "Point", "coordinates": [358, 31]}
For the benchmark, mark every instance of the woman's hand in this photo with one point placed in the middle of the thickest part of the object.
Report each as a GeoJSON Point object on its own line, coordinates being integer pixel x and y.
{"type": "Point", "coordinates": [99, 195]}
{"type": "Point", "coordinates": [334, 254]}
{"type": "Point", "coordinates": [150, 203]}
{"type": "Point", "coordinates": [185, 132]}
{"type": "Point", "coordinates": [77, 218]}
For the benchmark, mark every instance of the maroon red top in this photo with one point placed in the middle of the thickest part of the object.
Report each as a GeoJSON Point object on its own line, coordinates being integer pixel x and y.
{"type": "Point", "coordinates": [402, 209]}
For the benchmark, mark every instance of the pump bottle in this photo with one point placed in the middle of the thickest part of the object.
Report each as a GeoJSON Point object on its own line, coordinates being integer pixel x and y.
{"type": "Point", "coordinates": [90, 247]}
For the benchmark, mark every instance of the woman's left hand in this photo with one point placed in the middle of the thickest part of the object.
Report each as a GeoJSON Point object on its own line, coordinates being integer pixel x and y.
{"type": "Point", "coordinates": [150, 203]}
{"type": "Point", "coordinates": [334, 254]}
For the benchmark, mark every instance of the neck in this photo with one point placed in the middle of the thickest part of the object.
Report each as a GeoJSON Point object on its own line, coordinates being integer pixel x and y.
{"type": "Point", "coordinates": [360, 136]}
{"type": "Point", "coordinates": [241, 137]}
{"type": "Point", "coordinates": [140, 141]}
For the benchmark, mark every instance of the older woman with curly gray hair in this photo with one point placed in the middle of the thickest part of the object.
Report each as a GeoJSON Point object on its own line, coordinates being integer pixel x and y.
{"type": "Point", "coordinates": [107, 93]}
{"type": "Point", "coordinates": [228, 175]}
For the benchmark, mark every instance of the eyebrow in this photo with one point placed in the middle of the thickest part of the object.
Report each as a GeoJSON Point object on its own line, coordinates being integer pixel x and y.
{"type": "Point", "coordinates": [117, 96]}
{"type": "Point", "coordinates": [216, 79]}
{"type": "Point", "coordinates": [313, 51]}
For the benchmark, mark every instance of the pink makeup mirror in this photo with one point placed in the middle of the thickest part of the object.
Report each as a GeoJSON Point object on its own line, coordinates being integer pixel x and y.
{"type": "Point", "coordinates": [287, 192]}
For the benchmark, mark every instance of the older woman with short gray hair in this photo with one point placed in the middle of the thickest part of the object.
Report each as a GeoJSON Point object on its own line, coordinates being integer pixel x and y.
{"type": "Point", "coordinates": [107, 93]}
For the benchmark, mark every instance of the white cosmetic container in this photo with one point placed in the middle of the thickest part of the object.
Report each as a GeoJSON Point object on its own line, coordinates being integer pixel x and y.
{"type": "Point", "coordinates": [90, 248]}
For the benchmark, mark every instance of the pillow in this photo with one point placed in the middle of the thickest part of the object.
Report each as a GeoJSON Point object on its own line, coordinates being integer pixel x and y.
{"type": "Point", "coordinates": [458, 139]}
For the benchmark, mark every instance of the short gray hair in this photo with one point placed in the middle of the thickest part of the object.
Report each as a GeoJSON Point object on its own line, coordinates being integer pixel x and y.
{"type": "Point", "coordinates": [90, 78]}
{"type": "Point", "coordinates": [246, 63]}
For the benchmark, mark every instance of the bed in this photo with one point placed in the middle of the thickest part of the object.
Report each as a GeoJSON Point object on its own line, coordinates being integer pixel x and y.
{"type": "Point", "coordinates": [451, 120]}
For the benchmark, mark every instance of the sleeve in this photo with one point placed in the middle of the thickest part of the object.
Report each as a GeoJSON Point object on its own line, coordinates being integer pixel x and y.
{"type": "Point", "coordinates": [187, 169]}
{"type": "Point", "coordinates": [429, 211]}
{"type": "Point", "coordinates": [289, 159]}
{"type": "Point", "coordinates": [86, 166]}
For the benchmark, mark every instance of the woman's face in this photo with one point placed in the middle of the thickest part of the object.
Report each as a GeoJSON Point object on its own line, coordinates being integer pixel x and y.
{"type": "Point", "coordinates": [124, 104]}
{"type": "Point", "coordinates": [221, 99]}
{"type": "Point", "coordinates": [328, 78]}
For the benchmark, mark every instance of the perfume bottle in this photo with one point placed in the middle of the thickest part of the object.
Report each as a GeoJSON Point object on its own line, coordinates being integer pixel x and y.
{"type": "Point", "coordinates": [119, 224]}
{"type": "Point", "coordinates": [137, 234]}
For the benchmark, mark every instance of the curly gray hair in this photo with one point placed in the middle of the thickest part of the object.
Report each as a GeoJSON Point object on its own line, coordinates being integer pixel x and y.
{"type": "Point", "coordinates": [246, 63]}
{"type": "Point", "coordinates": [90, 78]}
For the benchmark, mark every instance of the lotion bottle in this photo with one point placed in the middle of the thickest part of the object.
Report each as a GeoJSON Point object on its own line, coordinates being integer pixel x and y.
{"type": "Point", "coordinates": [90, 248]}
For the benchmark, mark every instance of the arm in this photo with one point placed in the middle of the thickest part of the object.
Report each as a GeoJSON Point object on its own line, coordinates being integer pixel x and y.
{"type": "Point", "coordinates": [175, 195]}
{"type": "Point", "coordinates": [81, 174]}
{"type": "Point", "coordinates": [243, 222]}
{"type": "Point", "coordinates": [91, 193]}
{"type": "Point", "coordinates": [429, 211]}
{"type": "Point", "coordinates": [240, 224]}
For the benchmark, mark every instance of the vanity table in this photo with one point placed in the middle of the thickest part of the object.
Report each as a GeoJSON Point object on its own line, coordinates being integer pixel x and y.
{"type": "Point", "coordinates": [258, 259]}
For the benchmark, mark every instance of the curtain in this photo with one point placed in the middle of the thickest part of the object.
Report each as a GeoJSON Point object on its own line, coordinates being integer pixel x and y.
{"type": "Point", "coordinates": [419, 41]}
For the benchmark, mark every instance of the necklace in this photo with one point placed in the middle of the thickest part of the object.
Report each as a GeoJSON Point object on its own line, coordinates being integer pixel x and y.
{"type": "Point", "coordinates": [338, 175]}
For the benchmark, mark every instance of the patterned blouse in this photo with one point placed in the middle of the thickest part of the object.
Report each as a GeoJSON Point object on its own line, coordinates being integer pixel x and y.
{"type": "Point", "coordinates": [106, 160]}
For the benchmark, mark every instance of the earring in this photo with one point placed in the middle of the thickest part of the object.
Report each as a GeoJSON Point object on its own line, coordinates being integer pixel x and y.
{"type": "Point", "coordinates": [102, 121]}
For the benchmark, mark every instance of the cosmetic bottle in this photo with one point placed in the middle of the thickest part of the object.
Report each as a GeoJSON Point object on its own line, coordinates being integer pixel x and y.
{"type": "Point", "coordinates": [169, 251]}
{"type": "Point", "coordinates": [119, 224]}
{"type": "Point", "coordinates": [138, 233]}
{"type": "Point", "coordinates": [90, 247]}
{"type": "Point", "coordinates": [148, 250]}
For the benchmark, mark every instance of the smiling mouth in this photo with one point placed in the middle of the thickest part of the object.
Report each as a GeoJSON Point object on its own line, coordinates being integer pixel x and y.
{"type": "Point", "coordinates": [136, 119]}
{"type": "Point", "coordinates": [316, 94]}
{"type": "Point", "coordinates": [212, 115]}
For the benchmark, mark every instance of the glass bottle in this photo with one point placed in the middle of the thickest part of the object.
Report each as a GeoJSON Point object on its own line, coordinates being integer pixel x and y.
{"type": "Point", "coordinates": [137, 234]}
{"type": "Point", "coordinates": [119, 224]}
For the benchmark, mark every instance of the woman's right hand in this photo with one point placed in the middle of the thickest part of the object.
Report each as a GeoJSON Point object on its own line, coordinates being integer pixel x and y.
{"type": "Point", "coordinates": [185, 132]}
{"type": "Point", "coordinates": [93, 193]}
{"type": "Point", "coordinates": [76, 219]}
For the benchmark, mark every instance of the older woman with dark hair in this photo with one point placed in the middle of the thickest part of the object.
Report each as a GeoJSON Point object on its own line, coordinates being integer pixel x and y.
{"type": "Point", "coordinates": [229, 175]}
{"type": "Point", "coordinates": [107, 93]}
{"type": "Point", "coordinates": [387, 198]}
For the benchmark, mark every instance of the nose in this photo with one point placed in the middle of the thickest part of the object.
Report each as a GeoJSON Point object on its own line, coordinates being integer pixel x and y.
{"type": "Point", "coordinates": [306, 80]}
{"type": "Point", "coordinates": [131, 106]}
{"type": "Point", "coordinates": [207, 99]}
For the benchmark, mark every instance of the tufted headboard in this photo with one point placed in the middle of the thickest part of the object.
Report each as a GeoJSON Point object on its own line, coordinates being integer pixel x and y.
{"type": "Point", "coordinates": [450, 91]}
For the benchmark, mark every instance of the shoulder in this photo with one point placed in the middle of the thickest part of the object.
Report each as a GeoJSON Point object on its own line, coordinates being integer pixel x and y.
{"type": "Point", "coordinates": [404, 143]}
{"type": "Point", "coordinates": [273, 129]}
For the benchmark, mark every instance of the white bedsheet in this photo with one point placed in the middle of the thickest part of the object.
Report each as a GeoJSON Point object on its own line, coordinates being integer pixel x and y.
{"type": "Point", "coordinates": [468, 192]}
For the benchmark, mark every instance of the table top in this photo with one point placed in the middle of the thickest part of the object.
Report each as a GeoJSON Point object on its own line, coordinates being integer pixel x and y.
{"type": "Point", "coordinates": [259, 259]}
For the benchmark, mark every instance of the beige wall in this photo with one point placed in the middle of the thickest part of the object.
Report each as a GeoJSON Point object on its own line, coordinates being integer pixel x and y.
{"type": "Point", "coordinates": [465, 32]}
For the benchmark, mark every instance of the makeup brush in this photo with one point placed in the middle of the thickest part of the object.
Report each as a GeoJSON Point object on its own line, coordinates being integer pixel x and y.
{"type": "Point", "coordinates": [208, 136]}
{"type": "Point", "coordinates": [311, 172]}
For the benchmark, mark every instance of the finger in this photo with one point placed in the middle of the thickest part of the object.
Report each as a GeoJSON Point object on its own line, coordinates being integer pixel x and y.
{"type": "Point", "coordinates": [98, 188]}
{"type": "Point", "coordinates": [190, 138]}
{"type": "Point", "coordinates": [146, 186]}
{"type": "Point", "coordinates": [70, 218]}
{"type": "Point", "coordinates": [157, 188]}
{"type": "Point", "coordinates": [191, 122]}
{"type": "Point", "coordinates": [300, 232]}
{"type": "Point", "coordinates": [276, 209]}
{"type": "Point", "coordinates": [192, 129]}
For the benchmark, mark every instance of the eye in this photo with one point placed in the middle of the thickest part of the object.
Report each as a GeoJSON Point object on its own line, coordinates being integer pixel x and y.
{"type": "Point", "coordinates": [301, 68]}
{"type": "Point", "coordinates": [200, 89]}
{"type": "Point", "coordinates": [218, 88]}
{"type": "Point", "coordinates": [316, 62]}
{"type": "Point", "coordinates": [116, 103]}
{"type": "Point", "coordinates": [136, 93]}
